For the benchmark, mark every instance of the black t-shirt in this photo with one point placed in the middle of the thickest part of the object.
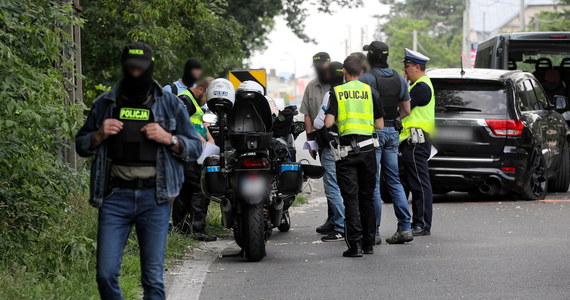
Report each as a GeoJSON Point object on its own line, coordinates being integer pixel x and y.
{"type": "Point", "coordinates": [420, 94]}
{"type": "Point", "coordinates": [376, 104]}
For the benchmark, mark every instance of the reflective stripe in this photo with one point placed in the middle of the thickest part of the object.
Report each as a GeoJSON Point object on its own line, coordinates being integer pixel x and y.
{"type": "Point", "coordinates": [355, 108]}
{"type": "Point", "coordinates": [421, 116]}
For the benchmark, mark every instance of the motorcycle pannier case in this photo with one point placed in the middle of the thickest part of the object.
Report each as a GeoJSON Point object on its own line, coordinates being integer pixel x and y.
{"type": "Point", "coordinates": [249, 122]}
{"type": "Point", "coordinates": [214, 181]}
{"type": "Point", "coordinates": [290, 179]}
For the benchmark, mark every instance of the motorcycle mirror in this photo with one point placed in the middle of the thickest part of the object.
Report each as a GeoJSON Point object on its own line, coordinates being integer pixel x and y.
{"type": "Point", "coordinates": [209, 118]}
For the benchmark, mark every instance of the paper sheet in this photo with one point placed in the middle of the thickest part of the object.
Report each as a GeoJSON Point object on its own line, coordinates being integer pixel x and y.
{"type": "Point", "coordinates": [208, 149]}
{"type": "Point", "coordinates": [310, 145]}
{"type": "Point", "coordinates": [433, 152]}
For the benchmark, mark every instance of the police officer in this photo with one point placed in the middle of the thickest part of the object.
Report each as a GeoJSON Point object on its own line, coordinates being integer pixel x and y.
{"type": "Point", "coordinates": [415, 140]}
{"type": "Point", "coordinates": [356, 110]}
{"type": "Point", "coordinates": [191, 206]}
{"type": "Point", "coordinates": [139, 135]}
{"type": "Point", "coordinates": [393, 91]}
{"type": "Point", "coordinates": [192, 73]}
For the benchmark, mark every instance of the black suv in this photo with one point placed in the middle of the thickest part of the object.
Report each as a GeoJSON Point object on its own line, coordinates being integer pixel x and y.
{"type": "Point", "coordinates": [497, 133]}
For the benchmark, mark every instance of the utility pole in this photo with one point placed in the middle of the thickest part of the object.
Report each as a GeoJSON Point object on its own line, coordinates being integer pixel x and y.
{"type": "Point", "coordinates": [484, 30]}
{"type": "Point", "coordinates": [466, 36]}
{"type": "Point", "coordinates": [415, 40]}
{"type": "Point", "coordinates": [522, 16]}
{"type": "Point", "coordinates": [361, 36]}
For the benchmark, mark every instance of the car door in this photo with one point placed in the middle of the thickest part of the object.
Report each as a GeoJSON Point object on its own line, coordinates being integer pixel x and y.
{"type": "Point", "coordinates": [533, 115]}
{"type": "Point", "coordinates": [554, 126]}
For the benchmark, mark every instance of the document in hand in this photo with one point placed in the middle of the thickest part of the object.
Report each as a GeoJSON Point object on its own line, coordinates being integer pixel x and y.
{"type": "Point", "coordinates": [208, 149]}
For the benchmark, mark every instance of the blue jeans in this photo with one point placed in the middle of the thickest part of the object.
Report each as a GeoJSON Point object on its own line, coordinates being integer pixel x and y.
{"type": "Point", "coordinates": [387, 159]}
{"type": "Point", "coordinates": [119, 212]}
{"type": "Point", "coordinates": [332, 191]}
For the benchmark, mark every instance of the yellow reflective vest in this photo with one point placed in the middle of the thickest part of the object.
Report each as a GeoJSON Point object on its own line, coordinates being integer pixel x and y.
{"type": "Point", "coordinates": [355, 108]}
{"type": "Point", "coordinates": [421, 116]}
{"type": "Point", "coordinates": [196, 118]}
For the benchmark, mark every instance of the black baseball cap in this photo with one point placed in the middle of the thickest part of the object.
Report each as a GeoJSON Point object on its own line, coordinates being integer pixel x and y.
{"type": "Point", "coordinates": [377, 47]}
{"type": "Point", "coordinates": [137, 55]}
{"type": "Point", "coordinates": [321, 58]}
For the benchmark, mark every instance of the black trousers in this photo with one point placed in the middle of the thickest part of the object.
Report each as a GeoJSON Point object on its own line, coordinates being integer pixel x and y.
{"type": "Point", "coordinates": [356, 176]}
{"type": "Point", "coordinates": [415, 161]}
{"type": "Point", "coordinates": [190, 207]}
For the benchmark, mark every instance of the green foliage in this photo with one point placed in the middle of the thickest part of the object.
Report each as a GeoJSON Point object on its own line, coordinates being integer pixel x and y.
{"type": "Point", "coordinates": [60, 264]}
{"type": "Point", "coordinates": [221, 33]}
{"type": "Point", "coordinates": [176, 29]}
{"type": "Point", "coordinates": [439, 30]}
{"type": "Point", "coordinates": [553, 20]}
{"type": "Point", "coordinates": [34, 184]}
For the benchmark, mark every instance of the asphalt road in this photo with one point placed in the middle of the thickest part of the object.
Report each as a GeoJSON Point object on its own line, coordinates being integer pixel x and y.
{"type": "Point", "coordinates": [478, 250]}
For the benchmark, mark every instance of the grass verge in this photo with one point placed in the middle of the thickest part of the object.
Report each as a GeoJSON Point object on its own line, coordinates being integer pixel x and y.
{"type": "Point", "coordinates": [60, 264]}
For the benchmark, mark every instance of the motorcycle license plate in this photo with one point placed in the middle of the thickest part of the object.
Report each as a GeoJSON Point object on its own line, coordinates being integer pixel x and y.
{"type": "Point", "coordinates": [252, 185]}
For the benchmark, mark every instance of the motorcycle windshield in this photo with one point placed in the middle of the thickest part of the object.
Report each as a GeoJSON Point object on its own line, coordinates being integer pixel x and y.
{"type": "Point", "coordinates": [251, 113]}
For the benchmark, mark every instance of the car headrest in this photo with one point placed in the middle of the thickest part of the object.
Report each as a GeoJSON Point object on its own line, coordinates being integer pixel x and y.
{"type": "Point", "coordinates": [565, 63]}
{"type": "Point", "coordinates": [543, 63]}
{"type": "Point", "coordinates": [512, 65]}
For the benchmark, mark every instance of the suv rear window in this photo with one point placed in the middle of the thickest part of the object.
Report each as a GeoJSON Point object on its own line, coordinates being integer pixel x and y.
{"type": "Point", "coordinates": [468, 96]}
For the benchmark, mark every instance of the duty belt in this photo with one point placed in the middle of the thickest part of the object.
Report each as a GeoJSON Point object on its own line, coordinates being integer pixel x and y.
{"type": "Point", "coordinates": [133, 184]}
{"type": "Point", "coordinates": [342, 151]}
{"type": "Point", "coordinates": [389, 123]}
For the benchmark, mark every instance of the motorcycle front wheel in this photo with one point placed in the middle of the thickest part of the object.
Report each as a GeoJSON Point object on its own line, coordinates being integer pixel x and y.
{"type": "Point", "coordinates": [254, 233]}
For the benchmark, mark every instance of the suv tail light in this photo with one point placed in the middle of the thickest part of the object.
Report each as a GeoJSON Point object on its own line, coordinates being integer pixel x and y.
{"type": "Point", "coordinates": [254, 162]}
{"type": "Point", "coordinates": [506, 127]}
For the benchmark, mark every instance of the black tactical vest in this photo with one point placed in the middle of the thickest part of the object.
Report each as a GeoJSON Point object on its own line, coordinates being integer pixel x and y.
{"type": "Point", "coordinates": [130, 147]}
{"type": "Point", "coordinates": [389, 89]}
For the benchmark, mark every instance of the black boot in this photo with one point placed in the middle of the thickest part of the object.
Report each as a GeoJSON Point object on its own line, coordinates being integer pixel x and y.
{"type": "Point", "coordinates": [354, 249]}
{"type": "Point", "coordinates": [368, 248]}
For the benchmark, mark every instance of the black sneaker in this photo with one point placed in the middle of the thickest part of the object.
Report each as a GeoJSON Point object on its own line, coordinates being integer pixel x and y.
{"type": "Point", "coordinates": [400, 237]}
{"type": "Point", "coordinates": [419, 231]}
{"type": "Point", "coordinates": [334, 236]}
{"type": "Point", "coordinates": [204, 237]}
{"type": "Point", "coordinates": [325, 228]}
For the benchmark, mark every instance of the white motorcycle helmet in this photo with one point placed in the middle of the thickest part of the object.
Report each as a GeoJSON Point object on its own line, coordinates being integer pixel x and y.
{"type": "Point", "coordinates": [250, 86]}
{"type": "Point", "coordinates": [220, 95]}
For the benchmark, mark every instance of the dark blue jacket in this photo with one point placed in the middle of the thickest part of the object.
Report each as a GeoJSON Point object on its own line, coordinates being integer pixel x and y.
{"type": "Point", "coordinates": [170, 113]}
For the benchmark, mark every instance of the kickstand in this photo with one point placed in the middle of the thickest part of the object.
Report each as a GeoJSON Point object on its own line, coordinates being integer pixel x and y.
{"type": "Point", "coordinates": [238, 254]}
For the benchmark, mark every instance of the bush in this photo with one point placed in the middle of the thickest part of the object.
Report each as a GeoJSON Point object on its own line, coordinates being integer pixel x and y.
{"type": "Point", "coordinates": [35, 185]}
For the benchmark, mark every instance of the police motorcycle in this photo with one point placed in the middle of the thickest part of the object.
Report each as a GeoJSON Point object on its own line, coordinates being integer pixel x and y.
{"type": "Point", "coordinates": [255, 178]}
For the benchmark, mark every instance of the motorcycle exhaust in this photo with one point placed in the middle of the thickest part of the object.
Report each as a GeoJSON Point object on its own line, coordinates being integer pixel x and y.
{"type": "Point", "coordinates": [227, 214]}
{"type": "Point", "coordinates": [276, 212]}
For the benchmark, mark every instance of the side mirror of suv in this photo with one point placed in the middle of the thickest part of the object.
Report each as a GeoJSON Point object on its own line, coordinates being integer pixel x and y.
{"type": "Point", "coordinates": [561, 102]}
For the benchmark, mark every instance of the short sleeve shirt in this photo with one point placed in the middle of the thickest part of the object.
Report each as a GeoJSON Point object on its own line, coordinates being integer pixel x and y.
{"type": "Point", "coordinates": [421, 94]}
{"type": "Point", "coordinates": [376, 105]}
{"type": "Point", "coordinates": [313, 98]}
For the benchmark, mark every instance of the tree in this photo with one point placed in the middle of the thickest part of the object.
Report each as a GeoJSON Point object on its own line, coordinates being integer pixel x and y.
{"type": "Point", "coordinates": [438, 25]}
{"type": "Point", "coordinates": [257, 17]}
{"type": "Point", "coordinates": [176, 29]}
{"type": "Point", "coordinates": [552, 20]}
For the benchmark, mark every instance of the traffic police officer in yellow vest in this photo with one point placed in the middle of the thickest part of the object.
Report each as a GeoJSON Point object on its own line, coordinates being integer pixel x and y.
{"type": "Point", "coordinates": [415, 140]}
{"type": "Point", "coordinates": [191, 206]}
{"type": "Point", "coordinates": [356, 110]}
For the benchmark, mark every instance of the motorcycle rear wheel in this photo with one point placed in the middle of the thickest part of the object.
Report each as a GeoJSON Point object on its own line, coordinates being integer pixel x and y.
{"type": "Point", "coordinates": [254, 233]}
